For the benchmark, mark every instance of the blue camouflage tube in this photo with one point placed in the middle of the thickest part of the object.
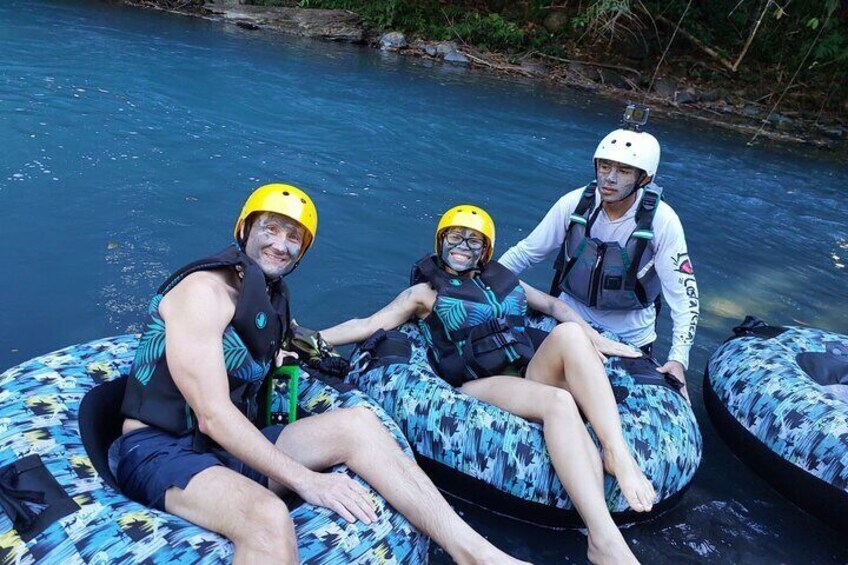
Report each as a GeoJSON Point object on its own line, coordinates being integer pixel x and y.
{"type": "Point", "coordinates": [779, 397]}
{"type": "Point", "coordinates": [481, 454]}
{"type": "Point", "coordinates": [40, 413]}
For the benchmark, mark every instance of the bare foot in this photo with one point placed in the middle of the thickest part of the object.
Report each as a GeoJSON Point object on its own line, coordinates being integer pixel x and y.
{"type": "Point", "coordinates": [612, 549]}
{"type": "Point", "coordinates": [634, 485]}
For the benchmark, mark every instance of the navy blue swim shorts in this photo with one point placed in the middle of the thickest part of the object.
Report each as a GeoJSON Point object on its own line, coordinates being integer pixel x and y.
{"type": "Point", "coordinates": [147, 462]}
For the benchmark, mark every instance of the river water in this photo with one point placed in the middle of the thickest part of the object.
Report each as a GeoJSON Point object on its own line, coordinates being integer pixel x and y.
{"type": "Point", "coordinates": [129, 139]}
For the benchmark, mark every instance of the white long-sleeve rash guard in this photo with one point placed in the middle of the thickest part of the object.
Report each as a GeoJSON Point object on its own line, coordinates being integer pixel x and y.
{"type": "Point", "coordinates": [671, 261]}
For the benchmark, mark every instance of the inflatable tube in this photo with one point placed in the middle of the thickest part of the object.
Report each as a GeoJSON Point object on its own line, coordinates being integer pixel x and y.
{"type": "Point", "coordinates": [481, 454]}
{"type": "Point", "coordinates": [779, 397]}
{"type": "Point", "coordinates": [55, 407]}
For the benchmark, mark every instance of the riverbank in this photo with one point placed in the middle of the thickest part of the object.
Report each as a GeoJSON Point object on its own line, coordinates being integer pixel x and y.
{"type": "Point", "coordinates": [682, 86]}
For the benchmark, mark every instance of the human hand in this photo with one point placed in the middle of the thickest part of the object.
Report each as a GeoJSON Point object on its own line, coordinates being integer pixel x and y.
{"type": "Point", "coordinates": [341, 494]}
{"type": "Point", "coordinates": [606, 347]}
{"type": "Point", "coordinates": [675, 369]}
{"type": "Point", "coordinates": [281, 356]}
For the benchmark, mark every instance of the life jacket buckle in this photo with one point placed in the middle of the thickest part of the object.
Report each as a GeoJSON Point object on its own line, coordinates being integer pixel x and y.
{"type": "Point", "coordinates": [650, 200]}
{"type": "Point", "coordinates": [613, 282]}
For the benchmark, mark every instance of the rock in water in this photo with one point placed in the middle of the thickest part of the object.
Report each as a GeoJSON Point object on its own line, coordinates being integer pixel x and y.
{"type": "Point", "coordinates": [612, 78]}
{"type": "Point", "coordinates": [457, 58]}
{"type": "Point", "coordinates": [665, 87]}
{"type": "Point", "coordinates": [534, 68]}
{"type": "Point", "coordinates": [446, 47]}
{"type": "Point", "coordinates": [686, 96]}
{"type": "Point", "coordinates": [780, 121]}
{"type": "Point", "coordinates": [392, 41]}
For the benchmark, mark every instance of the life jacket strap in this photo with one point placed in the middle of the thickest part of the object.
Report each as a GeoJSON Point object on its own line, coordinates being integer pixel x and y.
{"type": "Point", "coordinates": [490, 327]}
{"type": "Point", "coordinates": [644, 232]}
{"type": "Point", "coordinates": [381, 350]}
{"type": "Point", "coordinates": [425, 270]}
{"type": "Point", "coordinates": [581, 216]}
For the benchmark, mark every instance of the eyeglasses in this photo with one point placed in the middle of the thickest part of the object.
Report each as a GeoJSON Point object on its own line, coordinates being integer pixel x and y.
{"type": "Point", "coordinates": [474, 243]}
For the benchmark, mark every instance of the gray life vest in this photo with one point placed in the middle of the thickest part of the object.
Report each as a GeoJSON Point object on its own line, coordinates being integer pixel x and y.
{"type": "Point", "coordinates": [603, 274]}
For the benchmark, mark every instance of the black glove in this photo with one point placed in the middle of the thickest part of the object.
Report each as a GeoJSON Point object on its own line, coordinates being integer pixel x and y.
{"type": "Point", "coordinates": [333, 365]}
{"type": "Point", "coordinates": [317, 353]}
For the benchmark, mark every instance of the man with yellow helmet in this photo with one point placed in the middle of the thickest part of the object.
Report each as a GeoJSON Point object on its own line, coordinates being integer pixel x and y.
{"type": "Point", "coordinates": [472, 312]}
{"type": "Point", "coordinates": [190, 445]}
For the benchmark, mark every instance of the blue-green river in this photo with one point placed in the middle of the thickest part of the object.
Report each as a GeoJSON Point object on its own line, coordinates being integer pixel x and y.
{"type": "Point", "coordinates": [129, 139]}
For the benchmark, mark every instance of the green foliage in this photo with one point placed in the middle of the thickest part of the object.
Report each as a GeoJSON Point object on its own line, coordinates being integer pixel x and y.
{"type": "Point", "coordinates": [831, 46]}
{"type": "Point", "coordinates": [786, 33]}
{"type": "Point", "coordinates": [432, 19]}
{"type": "Point", "coordinates": [491, 31]}
{"type": "Point", "coordinates": [610, 20]}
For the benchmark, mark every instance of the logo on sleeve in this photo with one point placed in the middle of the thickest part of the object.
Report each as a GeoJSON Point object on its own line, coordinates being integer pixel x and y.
{"type": "Point", "coordinates": [261, 320]}
{"type": "Point", "coordinates": [682, 264]}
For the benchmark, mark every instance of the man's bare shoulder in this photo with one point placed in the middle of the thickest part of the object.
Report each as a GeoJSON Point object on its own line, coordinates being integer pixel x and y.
{"type": "Point", "coordinates": [210, 293]}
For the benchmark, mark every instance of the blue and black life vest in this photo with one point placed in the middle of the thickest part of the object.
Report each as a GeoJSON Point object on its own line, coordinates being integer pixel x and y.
{"type": "Point", "coordinates": [261, 322]}
{"type": "Point", "coordinates": [603, 274]}
{"type": "Point", "coordinates": [477, 327]}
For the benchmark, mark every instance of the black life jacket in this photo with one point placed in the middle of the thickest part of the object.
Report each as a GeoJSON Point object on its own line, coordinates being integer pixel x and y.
{"type": "Point", "coordinates": [477, 326]}
{"type": "Point", "coordinates": [603, 274]}
{"type": "Point", "coordinates": [261, 321]}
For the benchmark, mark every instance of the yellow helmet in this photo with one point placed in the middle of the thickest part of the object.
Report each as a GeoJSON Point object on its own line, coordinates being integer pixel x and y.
{"type": "Point", "coordinates": [469, 216]}
{"type": "Point", "coordinates": [286, 200]}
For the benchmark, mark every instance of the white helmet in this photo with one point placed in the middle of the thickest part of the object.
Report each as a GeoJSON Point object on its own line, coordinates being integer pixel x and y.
{"type": "Point", "coordinates": [635, 148]}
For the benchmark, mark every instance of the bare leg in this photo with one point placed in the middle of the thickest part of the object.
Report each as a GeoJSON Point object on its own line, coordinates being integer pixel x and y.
{"type": "Point", "coordinates": [356, 438]}
{"type": "Point", "coordinates": [567, 360]}
{"type": "Point", "coordinates": [251, 516]}
{"type": "Point", "coordinates": [572, 452]}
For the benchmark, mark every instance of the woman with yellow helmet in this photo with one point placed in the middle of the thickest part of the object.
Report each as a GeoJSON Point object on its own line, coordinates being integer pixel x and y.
{"type": "Point", "coordinates": [473, 315]}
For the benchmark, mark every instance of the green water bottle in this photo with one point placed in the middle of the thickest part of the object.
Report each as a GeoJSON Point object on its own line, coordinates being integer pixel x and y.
{"type": "Point", "coordinates": [276, 412]}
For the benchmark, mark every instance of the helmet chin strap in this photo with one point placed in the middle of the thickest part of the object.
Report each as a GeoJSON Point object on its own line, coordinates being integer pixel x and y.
{"type": "Point", "coordinates": [636, 186]}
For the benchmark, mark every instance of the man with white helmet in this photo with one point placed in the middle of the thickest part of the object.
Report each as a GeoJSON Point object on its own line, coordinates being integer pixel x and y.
{"type": "Point", "coordinates": [620, 248]}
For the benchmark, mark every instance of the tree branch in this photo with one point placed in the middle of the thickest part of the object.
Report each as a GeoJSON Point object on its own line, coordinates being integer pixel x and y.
{"type": "Point", "coordinates": [509, 68]}
{"type": "Point", "coordinates": [751, 37]}
{"type": "Point", "coordinates": [699, 44]}
{"type": "Point", "coordinates": [591, 64]}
